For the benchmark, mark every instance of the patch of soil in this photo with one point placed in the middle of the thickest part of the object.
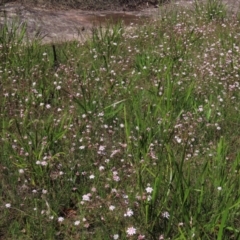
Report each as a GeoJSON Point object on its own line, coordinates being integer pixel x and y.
{"type": "Point", "coordinates": [93, 5]}
{"type": "Point", "coordinates": [56, 24]}
{"type": "Point", "coordinates": [61, 25]}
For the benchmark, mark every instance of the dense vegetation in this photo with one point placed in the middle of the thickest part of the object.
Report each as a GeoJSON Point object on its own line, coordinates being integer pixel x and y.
{"type": "Point", "coordinates": [133, 134]}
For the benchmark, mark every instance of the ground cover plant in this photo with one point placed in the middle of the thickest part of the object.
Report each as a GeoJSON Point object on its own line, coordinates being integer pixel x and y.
{"type": "Point", "coordinates": [133, 134]}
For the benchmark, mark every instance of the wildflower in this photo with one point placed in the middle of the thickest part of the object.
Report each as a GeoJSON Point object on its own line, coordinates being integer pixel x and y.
{"type": "Point", "coordinates": [8, 205]}
{"type": "Point", "coordinates": [149, 198]}
{"type": "Point", "coordinates": [101, 148]}
{"type": "Point", "coordinates": [131, 231]}
{"type": "Point", "coordinates": [44, 191]}
{"type": "Point", "coordinates": [112, 207]}
{"type": "Point", "coordinates": [149, 190]}
{"type": "Point", "coordinates": [101, 168]}
{"type": "Point", "coordinates": [92, 176]}
{"type": "Point", "coordinates": [166, 215]}
{"type": "Point", "coordinates": [21, 171]}
{"type": "Point", "coordinates": [115, 236]}
{"type": "Point", "coordinates": [86, 225]}
{"type": "Point", "coordinates": [76, 223]}
{"type": "Point", "coordinates": [129, 213]}
{"type": "Point", "coordinates": [60, 219]}
{"type": "Point", "coordinates": [116, 178]}
{"type": "Point", "coordinates": [101, 114]}
{"type": "Point", "coordinates": [44, 163]}
{"type": "Point", "coordinates": [86, 197]}
{"type": "Point", "coordinates": [114, 152]}
{"type": "Point", "coordinates": [219, 188]}
{"type": "Point", "coordinates": [179, 140]}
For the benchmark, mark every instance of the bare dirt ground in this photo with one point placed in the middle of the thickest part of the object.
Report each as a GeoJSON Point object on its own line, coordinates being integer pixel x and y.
{"type": "Point", "coordinates": [61, 25]}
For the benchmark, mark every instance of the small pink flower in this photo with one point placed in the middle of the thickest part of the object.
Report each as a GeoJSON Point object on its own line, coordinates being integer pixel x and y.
{"type": "Point", "coordinates": [86, 197]}
{"type": "Point", "coordinates": [129, 213]}
{"type": "Point", "coordinates": [131, 231]}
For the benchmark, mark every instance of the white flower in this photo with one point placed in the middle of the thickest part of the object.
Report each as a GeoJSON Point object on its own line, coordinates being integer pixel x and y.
{"type": "Point", "coordinates": [115, 236]}
{"type": "Point", "coordinates": [76, 223]}
{"type": "Point", "coordinates": [116, 178]}
{"type": "Point", "coordinates": [149, 190]}
{"type": "Point", "coordinates": [219, 188]}
{"type": "Point", "coordinates": [112, 207]}
{"type": "Point", "coordinates": [92, 176]}
{"type": "Point", "coordinates": [101, 148]}
{"type": "Point", "coordinates": [44, 163]}
{"type": "Point", "coordinates": [129, 213]}
{"type": "Point", "coordinates": [86, 197]}
{"type": "Point", "coordinates": [149, 198]}
{"type": "Point", "coordinates": [60, 219]}
{"type": "Point", "coordinates": [101, 114]}
{"type": "Point", "coordinates": [166, 215]}
{"type": "Point", "coordinates": [44, 191]}
{"type": "Point", "coordinates": [101, 168]}
{"type": "Point", "coordinates": [178, 139]}
{"type": "Point", "coordinates": [8, 205]}
{"type": "Point", "coordinates": [131, 231]}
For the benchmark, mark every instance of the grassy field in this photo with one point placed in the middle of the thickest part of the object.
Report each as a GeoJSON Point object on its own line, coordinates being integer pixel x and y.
{"type": "Point", "coordinates": [130, 135]}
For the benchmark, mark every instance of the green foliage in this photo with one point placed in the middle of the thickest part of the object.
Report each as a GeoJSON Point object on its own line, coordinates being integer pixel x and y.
{"type": "Point", "coordinates": [135, 132]}
{"type": "Point", "coordinates": [211, 10]}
